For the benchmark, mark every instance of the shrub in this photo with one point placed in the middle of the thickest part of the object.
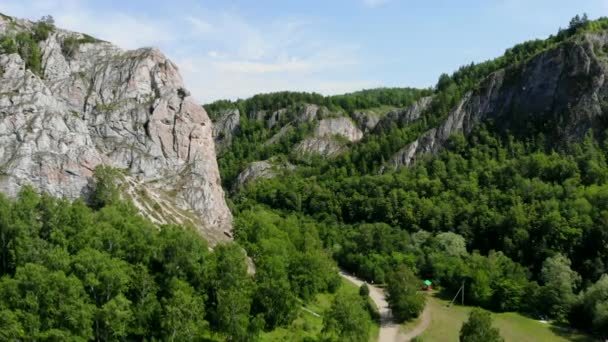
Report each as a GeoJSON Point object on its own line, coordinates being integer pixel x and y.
{"type": "Point", "coordinates": [43, 28]}
{"type": "Point", "coordinates": [70, 45]}
{"type": "Point", "coordinates": [106, 186]}
{"type": "Point", "coordinates": [479, 328]}
{"type": "Point", "coordinates": [29, 51]}
{"type": "Point", "coordinates": [364, 290]}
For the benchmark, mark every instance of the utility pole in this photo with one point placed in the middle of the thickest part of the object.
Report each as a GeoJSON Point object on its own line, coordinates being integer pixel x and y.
{"type": "Point", "coordinates": [461, 289]}
{"type": "Point", "coordinates": [462, 293]}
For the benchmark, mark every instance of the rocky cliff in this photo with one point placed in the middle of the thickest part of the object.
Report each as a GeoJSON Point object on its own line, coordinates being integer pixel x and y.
{"type": "Point", "coordinates": [562, 90]}
{"type": "Point", "coordinates": [224, 128]}
{"type": "Point", "coordinates": [329, 137]}
{"type": "Point", "coordinates": [341, 126]}
{"type": "Point", "coordinates": [366, 120]}
{"type": "Point", "coordinates": [404, 116]}
{"type": "Point", "coordinates": [260, 170]}
{"type": "Point", "coordinates": [92, 103]}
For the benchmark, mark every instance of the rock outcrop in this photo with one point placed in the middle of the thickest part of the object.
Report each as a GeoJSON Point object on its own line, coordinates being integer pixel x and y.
{"type": "Point", "coordinates": [405, 116]}
{"type": "Point", "coordinates": [97, 104]}
{"type": "Point", "coordinates": [276, 117]}
{"type": "Point", "coordinates": [224, 128]}
{"type": "Point", "coordinates": [329, 138]}
{"type": "Point", "coordinates": [563, 90]}
{"type": "Point", "coordinates": [326, 146]}
{"type": "Point", "coordinates": [255, 170]}
{"type": "Point", "coordinates": [308, 113]}
{"type": "Point", "coordinates": [260, 170]}
{"type": "Point", "coordinates": [367, 120]}
{"type": "Point", "coordinates": [341, 126]}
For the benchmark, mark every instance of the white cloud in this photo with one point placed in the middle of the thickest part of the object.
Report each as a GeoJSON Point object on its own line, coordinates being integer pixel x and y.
{"type": "Point", "coordinates": [201, 26]}
{"type": "Point", "coordinates": [262, 68]}
{"type": "Point", "coordinates": [124, 30]}
{"type": "Point", "coordinates": [209, 83]}
{"type": "Point", "coordinates": [285, 54]}
{"type": "Point", "coordinates": [376, 3]}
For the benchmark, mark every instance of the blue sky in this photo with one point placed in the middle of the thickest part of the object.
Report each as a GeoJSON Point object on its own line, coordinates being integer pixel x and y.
{"type": "Point", "coordinates": [238, 48]}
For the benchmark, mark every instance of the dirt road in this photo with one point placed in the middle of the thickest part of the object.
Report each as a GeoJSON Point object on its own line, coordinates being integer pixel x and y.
{"type": "Point", "coordinates": [389, 329]}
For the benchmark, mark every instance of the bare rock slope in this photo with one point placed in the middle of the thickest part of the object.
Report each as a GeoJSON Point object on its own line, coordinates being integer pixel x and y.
{"type": "Point", "coordinates": [563, 90]}
{"type": "Point", "coordinates": [324, 142]}
{"type": "Point", "coordinates": [224, 128]}
{"type": "Point", "coordinates": [96, 104]}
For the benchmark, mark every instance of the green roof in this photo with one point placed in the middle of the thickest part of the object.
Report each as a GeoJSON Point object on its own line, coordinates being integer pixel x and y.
{"type": "Point", "coordinates": [427, 282]}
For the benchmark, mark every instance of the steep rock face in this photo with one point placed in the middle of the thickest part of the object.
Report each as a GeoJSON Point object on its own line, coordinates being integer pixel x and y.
{"type": "Point", "coordinates": [563, 90]}
{"type": "Point", "coordinates": [293, 117]}
{"type": "Point", "coordinates": [367, 120]}
{"type": "Point", "coordinates": [432, 140]}
{"type": "Point", "coordinates": [255, 170]}
{"type": "Point", "coordinates": [102, 105]}
{"type": "Point", "coordinates": [339, 126]}
{"type": "Point", "coordinates": [224, 128]}
{"type": "Point", "coordinates": [402, 117]}
{"type": "Point", "coordinates": [308, 113]}
{"type": "Point", "coordinates": [326, 139]}
{"type": "Point", "coordinates": [326, 146]}
{"type": "Point", "coordinates": [260, 169]}
{"type": "Point", "coordinates": [276, 117]}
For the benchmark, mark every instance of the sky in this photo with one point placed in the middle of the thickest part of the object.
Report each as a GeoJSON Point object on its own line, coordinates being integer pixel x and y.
{"type": "Point", "coordinates": [229, 49]}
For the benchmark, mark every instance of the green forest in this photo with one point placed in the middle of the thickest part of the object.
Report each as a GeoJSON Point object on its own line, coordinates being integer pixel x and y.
{"type": "Point", "coordinates": [78, 272]}
{"type": "Point", "coordinates": [519, 218]}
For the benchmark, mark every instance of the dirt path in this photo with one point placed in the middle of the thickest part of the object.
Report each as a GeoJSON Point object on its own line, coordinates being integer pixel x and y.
{"type": "Point", "coordinates": [425, 321]}
{"type": "Point", "coordinates": [389, 329]}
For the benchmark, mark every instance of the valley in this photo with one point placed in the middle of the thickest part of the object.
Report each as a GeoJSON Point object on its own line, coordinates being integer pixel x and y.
{"type": "Point", "coordinates": [129, 211]}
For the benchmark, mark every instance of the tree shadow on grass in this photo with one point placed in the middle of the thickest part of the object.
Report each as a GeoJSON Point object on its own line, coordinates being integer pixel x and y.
{"type": "Point", "coordinates": [445, 295]}
{"type": "Point", "coordinates": [571, 334]}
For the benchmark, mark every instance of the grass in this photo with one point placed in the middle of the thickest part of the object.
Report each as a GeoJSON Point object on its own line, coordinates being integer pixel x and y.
{"type": "Point", "coordinates": [446, 322]}
{"type": "Point", "coordinates": [308, 326]}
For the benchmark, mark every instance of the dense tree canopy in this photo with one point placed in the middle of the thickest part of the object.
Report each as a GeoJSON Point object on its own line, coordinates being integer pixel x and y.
{"type": "Point", "coordinates": [469, 214]}
{"type": "Point", "coordinates": [347, 320]}
{"type": "Point", "coordinates": [518, 219]}
{"type": "Point", "coordinates": [70, 272]}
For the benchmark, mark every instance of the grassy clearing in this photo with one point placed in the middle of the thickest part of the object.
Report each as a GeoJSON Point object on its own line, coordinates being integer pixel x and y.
{"type": "Point", "coordinates": [446, 322]}
{"type": "Point", "coordinates": [307, 325]}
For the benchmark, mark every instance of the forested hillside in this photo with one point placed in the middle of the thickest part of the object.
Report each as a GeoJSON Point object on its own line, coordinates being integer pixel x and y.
{"type": "Point", "coordinates": [250, 144]}
{"type": "Point", "coordinates": [111, 202]}
{"type": "Point", "coordinates": [511, 208]}
{"type": "Point", "coordinates": [70, 272]}
{"type": "Point", "coordinates": [496, 178]}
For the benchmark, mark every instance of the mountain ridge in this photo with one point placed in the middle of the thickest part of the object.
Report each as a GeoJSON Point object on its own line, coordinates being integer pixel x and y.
{"type": "Point", "coordinates": [517, 92]}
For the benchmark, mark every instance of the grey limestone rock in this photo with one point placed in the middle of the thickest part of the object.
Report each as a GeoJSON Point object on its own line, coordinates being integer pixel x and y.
{"type": "Point", "coordinates": [224, 128]}
{"type": "Point", "coordinates": [102, 105]}
{"type": "Point", "coordinates": [328, 138]}
{"type": "Point", "coordinates": [563, 90]}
